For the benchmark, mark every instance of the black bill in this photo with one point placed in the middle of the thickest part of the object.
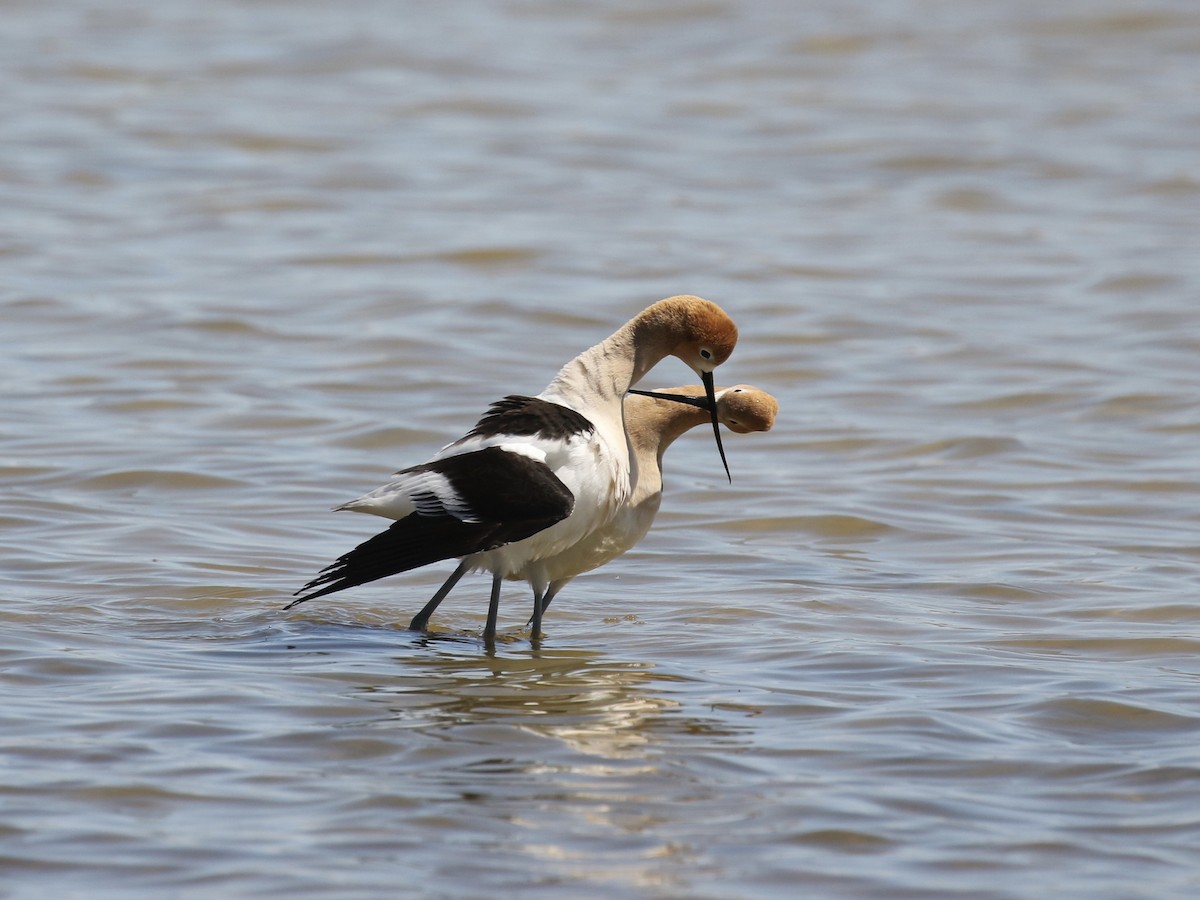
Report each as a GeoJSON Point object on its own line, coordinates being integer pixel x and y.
{"type": "Point", "coordinates": [708, 403]}
{"type": "Point", "coordinates": [698, 402]}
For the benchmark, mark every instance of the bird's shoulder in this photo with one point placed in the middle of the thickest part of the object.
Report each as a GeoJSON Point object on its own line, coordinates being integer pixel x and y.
{"type": "Point", "coordinates": [520, 416]}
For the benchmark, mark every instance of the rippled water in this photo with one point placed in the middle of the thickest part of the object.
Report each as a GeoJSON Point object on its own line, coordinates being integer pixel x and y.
{"type": "Point", "coordinates": [938, 638]}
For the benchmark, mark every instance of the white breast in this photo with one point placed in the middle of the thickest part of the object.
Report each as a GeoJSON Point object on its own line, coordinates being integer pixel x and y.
{"type": "Point", "coordinates": [597, 475]}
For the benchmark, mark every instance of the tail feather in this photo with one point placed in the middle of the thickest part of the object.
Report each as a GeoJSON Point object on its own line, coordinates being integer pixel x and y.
{"type": "Point", "coordinates": [410, 543]}
{"type": "Point", "coordinates": [509, 496]}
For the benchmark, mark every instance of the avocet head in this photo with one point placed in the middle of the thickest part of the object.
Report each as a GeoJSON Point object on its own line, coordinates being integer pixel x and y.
{"type": "Point", "coordinates": [701, 334]}
{"type": "Point", "coordinates": [744, 408]}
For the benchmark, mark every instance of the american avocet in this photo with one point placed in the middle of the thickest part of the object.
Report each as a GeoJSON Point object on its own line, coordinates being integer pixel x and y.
{"type": "Point", "coordinates": [536, 474]}
{"type": "Point", "coordinates": [654, 421]}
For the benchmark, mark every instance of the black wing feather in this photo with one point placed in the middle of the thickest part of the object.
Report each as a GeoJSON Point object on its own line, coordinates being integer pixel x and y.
{"type": "Point", "coordinates": [513, 495]}
{"type": "Point", "coordinates": [526, 416]}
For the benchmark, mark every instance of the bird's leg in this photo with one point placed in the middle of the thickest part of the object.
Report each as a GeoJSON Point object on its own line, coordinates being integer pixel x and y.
{"type": "Point", "coordinates": [421, 620]}
{"type": "Point", "coordinates": [489, 630]}
{"type": "Point", "coordinates": [535, 623]}
{"type": "Point", "coordinates": [552, 592]}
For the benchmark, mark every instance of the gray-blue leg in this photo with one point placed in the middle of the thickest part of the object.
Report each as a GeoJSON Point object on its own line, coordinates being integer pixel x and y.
{"type": "Point", "coordinates": [535, 623]}
{"type": "Point", "coordinates": [421, 620]}
{"type": "Point", "coordinates": [489, 631]}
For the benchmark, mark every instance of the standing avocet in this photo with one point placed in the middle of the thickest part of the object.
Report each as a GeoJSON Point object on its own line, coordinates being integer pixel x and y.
{"type": "Point", "coordinates": [536, 474]}
{"type": "Point", "coordinates": [653, 420]}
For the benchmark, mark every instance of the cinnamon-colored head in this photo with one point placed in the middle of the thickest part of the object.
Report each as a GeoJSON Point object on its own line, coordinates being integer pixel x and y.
{"type": "Point", "coordinates": [743, 409]}
{"type": "Point", "coordinates": [704, 334]}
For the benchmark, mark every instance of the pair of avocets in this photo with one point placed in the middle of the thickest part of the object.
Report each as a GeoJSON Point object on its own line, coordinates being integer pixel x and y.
{"type": "Point", "coordinates": [544, 488]}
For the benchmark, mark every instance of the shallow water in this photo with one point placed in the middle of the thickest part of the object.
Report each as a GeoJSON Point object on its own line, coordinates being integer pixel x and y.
{"type": "Point", "coordinates": [938, 638]}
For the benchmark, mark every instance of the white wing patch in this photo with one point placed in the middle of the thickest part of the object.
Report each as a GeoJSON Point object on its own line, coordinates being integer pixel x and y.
{"type": "Point", "coordinates": [436, 497]}
{"type": "Point", "coordinates": [429, 493]}
{"type": "Point", "coordinates": [573, 460]}
{"type": "Point", "coordinates": [537, 454]}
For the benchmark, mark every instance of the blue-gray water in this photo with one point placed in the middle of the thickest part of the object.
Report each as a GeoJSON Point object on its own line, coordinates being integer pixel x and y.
{"type": "Point", "coordinates": [938, 638]}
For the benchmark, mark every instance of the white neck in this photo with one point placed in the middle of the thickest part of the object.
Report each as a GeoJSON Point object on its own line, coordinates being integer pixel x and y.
{"type": "Point", "coordinates": [602, 374]}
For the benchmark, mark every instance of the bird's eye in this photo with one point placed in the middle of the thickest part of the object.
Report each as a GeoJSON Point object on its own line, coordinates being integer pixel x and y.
{"type": "Point", "coordinates": [734, 422]}
{"type": "Point", "coordinates": [705, 354]}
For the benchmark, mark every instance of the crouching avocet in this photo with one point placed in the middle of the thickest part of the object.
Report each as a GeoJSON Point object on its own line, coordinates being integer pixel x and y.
{"type": "Point", "coordinates": [536, 475]}
{"type": "Point", "coordinates": [654, 421]}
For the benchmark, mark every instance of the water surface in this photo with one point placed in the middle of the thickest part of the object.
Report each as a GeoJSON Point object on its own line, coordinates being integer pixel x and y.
{"type": "Point", "coordinates": [939, 636]}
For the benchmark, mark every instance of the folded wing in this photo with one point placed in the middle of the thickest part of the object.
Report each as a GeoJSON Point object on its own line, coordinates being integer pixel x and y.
{"type": "Point", "coordinates": [462, 504]}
